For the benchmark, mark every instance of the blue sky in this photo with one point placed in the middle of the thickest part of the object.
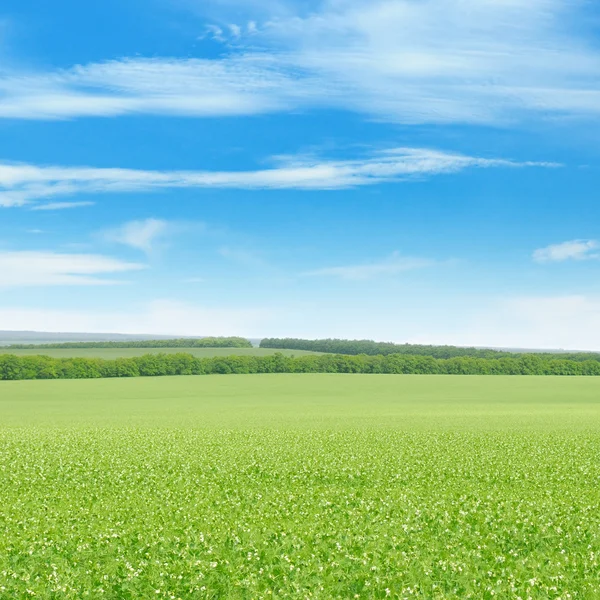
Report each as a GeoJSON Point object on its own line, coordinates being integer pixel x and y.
{"type": "Point", "coordinates": [405, 170]}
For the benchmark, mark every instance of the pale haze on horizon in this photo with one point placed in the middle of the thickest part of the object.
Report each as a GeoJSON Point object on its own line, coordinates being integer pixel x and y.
{"type": "Point", "coordinates": [421, 172]}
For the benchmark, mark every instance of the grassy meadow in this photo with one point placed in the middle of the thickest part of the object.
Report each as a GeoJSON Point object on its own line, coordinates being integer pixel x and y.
{"type": "Point", "coordinates": [300, 486]}
{"type": "Point", "coordinates": [112, 353]}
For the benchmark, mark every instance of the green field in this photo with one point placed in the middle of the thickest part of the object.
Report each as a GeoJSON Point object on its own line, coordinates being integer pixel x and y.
{"type": "Point", "coordinates": [300, 486]}
{"type": "Point", "coordinates": [112, 353]}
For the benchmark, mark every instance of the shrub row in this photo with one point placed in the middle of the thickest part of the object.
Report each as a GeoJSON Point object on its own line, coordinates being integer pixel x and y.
{"type": "Point", "coordinates": [371, 348]}
{"type": "Point", "coordinates": [44, 367]}
{"type": "Point", "coordinates": [207, 342]}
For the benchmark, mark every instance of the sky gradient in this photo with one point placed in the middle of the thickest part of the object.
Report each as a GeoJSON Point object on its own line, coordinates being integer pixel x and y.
{"type": "Point", "coordinates": [419, 171]}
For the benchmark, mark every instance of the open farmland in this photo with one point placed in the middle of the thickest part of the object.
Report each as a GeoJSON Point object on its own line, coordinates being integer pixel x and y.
{"type": "Point", "coordinates": [295, 486]}
{"type": "Point", "coordinates": [112, 353]}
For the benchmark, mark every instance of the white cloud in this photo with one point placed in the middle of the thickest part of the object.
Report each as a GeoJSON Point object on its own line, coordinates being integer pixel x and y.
{"type": "Point", "coordinates": [569, 322]}
{"type": "Point", "coordinates": [440, 61]}
{"type": "Point", "coordinates": [21, 184]}
{"type": "Point", "coordinates": [247, 258]}
{"type": "Point", "coordinates": [573, 250]}
{"type": "Point", "coordinates": [214, 32]}
{"type": "Point", "coordinates": [551, 322]}
{"type": "Point", "coordinates": [138, 234]}
{"type": "Point", "coordinates": [390, 266]}
{"type": "Point", "coordinates": [61, 205]}
{"type": "Point", "coordinates": [235, 30]}
{"type": "Point", "coordinates": [160, 317]}
{"type": "Point", "coordinates": [30, 268]}
{"type": "Point", "coordinates": [242, 85]}
{"type": "Point", "coordinates": [545, 322]}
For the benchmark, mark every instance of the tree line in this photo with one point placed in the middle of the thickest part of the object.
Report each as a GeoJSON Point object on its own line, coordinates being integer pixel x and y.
{"type": "Point", "coordinates": [371, 348]}
{"type": "Point", "coordinates": [206, 342]}
{"type": "Point", "coordinates": [150, 365]}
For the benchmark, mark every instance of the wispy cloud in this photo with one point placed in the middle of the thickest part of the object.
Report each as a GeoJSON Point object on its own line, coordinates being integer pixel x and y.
{"type": "Point", "coordinates": [241, 85]}
{"type": "Point", "coordinates": [554, 322]}
{"type": "Point", "coordinates": [21, 184]}
{"type": "Point", "coordinates": [242, 256]}
{"type": "Point", "coordinates": [140, 234]}
{"type": "Point", "coordinates": [30, 269]}
{"type": "Point", "coordinates": [61, 205]}
{"type": "Point", "coordinates": [394, 264]}
{"type": "Point", "coordinates": [161, 317]}
{"type": "Point", "coordinates": [475, 61]}
{"type": "Point", "coordinates": [573, 250]}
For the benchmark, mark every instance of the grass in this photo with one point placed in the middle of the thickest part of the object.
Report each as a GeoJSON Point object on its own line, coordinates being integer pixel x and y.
{"type": "Point", "coordinates": [112, 353]}
{"type": "Point", "coordinates": [300, 486]}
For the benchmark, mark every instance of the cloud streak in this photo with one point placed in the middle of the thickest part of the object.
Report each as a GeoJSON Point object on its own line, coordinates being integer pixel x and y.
{"type": "Point", "coordinates": [33, 269]}
{"type": "Point", "coordinates": [433, 61]}
{"type": "Point", "coordinates": [140, 235]}
{"type": "Point", "coordinates": [555, 322]}
{"type": "Point", "coordinates": [392, 265]}
{"type": "Point", "coordinates": [159, 317]}
{"type": "Point", "coordinates": [22, 184]}
{"type": "Point", "coordinates": [61, 205]}
{"type": "Point", "coordinates": [573, 250]}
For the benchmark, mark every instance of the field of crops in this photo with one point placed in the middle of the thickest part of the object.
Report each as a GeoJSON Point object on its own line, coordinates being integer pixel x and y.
{"type": "Point", "coordinates": [300, 486]}
{"type": "Point", "coordinates": [112, 353]}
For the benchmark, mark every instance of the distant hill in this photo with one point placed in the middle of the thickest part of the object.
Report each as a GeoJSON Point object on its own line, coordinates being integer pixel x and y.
{"type": "Point", "coordinates": [7, 338]}
{"type": "Point", "coordinates": [37, 337]}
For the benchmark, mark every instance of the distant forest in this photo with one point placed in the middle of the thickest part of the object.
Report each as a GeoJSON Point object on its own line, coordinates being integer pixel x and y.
{"type": "Point", "coordinates": [207, 342]}
{"type": "Point", "coordinates": [150, 365]}
{"type": "Point", "coordinates": [371, 348]}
